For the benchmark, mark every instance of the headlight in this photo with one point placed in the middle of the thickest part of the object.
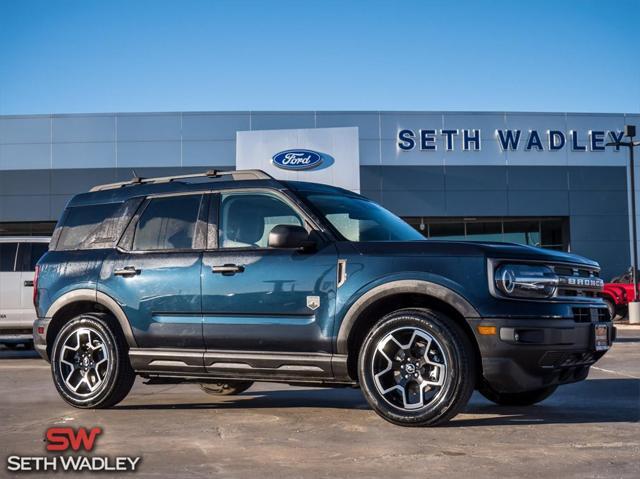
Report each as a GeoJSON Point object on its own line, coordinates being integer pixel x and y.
{"type": "Point", "coordinates": [526, 281]}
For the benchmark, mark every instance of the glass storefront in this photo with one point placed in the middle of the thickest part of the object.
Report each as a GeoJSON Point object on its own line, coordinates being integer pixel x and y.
{"type": "Point", "coordinates": [41, 228]}
{"type": "Point", "coordinates": [544, 232]}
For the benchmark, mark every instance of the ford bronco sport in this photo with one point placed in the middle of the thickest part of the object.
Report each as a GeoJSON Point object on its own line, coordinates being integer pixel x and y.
{"type": "Point", "coordinates": [226, 278]}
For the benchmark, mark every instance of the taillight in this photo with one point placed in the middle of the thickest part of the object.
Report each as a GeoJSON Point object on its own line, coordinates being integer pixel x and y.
{"type": "Point", "coordinates": [35, 287]}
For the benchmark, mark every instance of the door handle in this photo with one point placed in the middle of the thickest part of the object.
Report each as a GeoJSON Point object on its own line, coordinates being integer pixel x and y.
{"type": "Point", "coordinates": [28, 283]}
{"type": "Point", "coordinates": [227, 269]}
{"type": "Point", "coordinates": [126, 271]}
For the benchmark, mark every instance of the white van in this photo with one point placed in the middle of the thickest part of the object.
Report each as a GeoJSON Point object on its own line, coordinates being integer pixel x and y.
{"type": "Point", "coordinates": [18, 258]}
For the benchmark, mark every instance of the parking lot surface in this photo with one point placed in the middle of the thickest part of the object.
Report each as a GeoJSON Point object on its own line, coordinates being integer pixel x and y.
{"type": "Point", "coordinates": [589, 429]}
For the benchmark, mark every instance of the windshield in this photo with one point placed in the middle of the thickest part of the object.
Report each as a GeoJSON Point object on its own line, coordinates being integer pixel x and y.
{"type": "Point", "coordinates": [358, 219]}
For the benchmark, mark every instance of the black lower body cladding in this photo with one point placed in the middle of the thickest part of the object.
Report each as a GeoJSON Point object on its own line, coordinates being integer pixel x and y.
{"type": "Point", "coordinates": [530, 354]}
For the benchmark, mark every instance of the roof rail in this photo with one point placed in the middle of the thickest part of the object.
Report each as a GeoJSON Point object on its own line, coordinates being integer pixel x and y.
{"type": "Point", "coordinates": [235, 175]}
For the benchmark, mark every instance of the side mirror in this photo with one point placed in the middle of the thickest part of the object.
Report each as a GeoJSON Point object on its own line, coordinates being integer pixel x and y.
{"type": "Point", "coordinates": [290, 236]}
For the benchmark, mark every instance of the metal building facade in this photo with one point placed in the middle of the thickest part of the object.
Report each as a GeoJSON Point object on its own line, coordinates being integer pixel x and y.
{"type": "Point", "coordinates": [45, 159]}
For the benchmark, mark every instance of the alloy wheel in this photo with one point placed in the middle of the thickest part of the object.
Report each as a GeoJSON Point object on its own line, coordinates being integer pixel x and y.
{"type": "Point", "coordinates": [84, 361]}
{"type": "Point", "coordinates": [409, 368]}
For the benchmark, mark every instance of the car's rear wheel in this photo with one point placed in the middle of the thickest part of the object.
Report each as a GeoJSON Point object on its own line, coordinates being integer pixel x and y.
{"type": "Point", "coordinates": [416, 368]}
{"type": "Point", "coordinates": [89, 362]}
{"type": "Point", "coordinates": [226, 388]}
{"type": "Point", "coordinates": [526, 398]}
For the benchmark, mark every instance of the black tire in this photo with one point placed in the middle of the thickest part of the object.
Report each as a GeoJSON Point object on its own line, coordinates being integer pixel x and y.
{"type": "Point", "coordinates": [452, 359]}
{"type": "Point", "coordinates": [611, 307]}
{"type": "Point", "coordinates": [526, 398]}
{"type": "Point", "coordinates": [115, 373]}
{"type": "Point", "coordinates": [226, 388]}
{"type": "Point", "coordinates": [623, 313]}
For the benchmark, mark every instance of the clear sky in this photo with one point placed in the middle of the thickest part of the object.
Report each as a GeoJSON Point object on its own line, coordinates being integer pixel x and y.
{"type": "Point", "coordinates": [68, 56]}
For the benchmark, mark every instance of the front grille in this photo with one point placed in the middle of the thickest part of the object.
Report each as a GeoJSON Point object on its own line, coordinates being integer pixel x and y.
{"type": "Point", "coordinates": [576, 282]}
{"type": "Point", "coordinates": [590, 315]}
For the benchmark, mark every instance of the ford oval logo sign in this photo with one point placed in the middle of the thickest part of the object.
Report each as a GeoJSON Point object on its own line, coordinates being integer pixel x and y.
{"type": "Point", "coordinates": [297, 159]}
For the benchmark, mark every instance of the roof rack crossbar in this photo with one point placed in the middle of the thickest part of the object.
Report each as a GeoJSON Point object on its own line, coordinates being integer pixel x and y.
{"type": "Point", "coordinates": [235, 175]}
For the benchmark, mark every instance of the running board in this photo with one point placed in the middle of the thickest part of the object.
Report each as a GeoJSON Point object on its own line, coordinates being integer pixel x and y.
{"type": "Point", "coordinates": [235, 364]}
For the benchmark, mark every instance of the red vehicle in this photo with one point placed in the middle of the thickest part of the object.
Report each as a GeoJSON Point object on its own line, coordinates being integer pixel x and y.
{"type": "Point", "coordinates": [618, 293]}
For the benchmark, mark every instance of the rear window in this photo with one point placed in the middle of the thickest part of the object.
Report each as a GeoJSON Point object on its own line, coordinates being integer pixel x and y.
{"type": "Point", "coordinates": [81, 222]}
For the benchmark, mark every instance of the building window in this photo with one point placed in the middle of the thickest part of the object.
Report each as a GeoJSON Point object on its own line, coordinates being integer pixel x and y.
{"type": "Point", "coordinates": [544, 232]}
{"type": "Point", "coordinates": [42, 228]}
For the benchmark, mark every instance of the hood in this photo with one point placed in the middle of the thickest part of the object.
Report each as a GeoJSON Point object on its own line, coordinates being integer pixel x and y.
{"type": "Point", "coordinates": [469, 248]}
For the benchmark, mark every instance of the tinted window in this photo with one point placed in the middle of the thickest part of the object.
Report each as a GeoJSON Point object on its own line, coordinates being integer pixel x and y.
{"type": "Point", "coordinates": [29, 254]}
{"type": "Point", "coordinates": [7, 256]}
{"type": "Point", "coordinates": [81, 222]}
{"type": "Point", "coordinates": [167, 223]}
{"type": "Point", "coordinates": [246, 219]}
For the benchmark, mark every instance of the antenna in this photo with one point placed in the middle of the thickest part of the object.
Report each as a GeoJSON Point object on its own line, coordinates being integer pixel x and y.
{"type": "Point", "coordinates": [136, 178]}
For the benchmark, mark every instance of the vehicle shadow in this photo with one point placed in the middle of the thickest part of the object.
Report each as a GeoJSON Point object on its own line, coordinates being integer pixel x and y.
{"type": "Point", "coordinates": [592, 401]}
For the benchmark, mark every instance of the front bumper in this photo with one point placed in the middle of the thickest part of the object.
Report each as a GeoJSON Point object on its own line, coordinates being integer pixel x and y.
{"type": "Point", "coordinates": [528, 354]}
{"type": "Point", "coordinates": [40, 327]}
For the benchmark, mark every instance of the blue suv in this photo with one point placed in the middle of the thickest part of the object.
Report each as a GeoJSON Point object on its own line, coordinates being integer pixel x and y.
{"type": "Point", "coordinates": [230, 277]}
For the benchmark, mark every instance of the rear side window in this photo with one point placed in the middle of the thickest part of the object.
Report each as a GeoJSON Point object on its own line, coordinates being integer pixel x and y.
{"type": "Point", "coordinates": [80, 222]}
{"type": "Point", "coordinates": [29, 255]}
{"type": "Point", "coordinates": [167, 224]}
{"type": "Point", "coordinates": [8, 256]}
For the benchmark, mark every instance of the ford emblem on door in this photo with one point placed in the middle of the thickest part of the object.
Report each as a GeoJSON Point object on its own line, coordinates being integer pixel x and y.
{"type": "Point", "coordinates": [297, 159]}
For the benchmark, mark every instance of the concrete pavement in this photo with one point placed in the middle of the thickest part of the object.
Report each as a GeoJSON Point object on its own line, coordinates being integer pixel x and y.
{"type": "Point", "coordinates": [589, 429]}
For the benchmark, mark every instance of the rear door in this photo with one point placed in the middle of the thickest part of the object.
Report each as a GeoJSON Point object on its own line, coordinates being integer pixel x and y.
{"type": "Point", "coordinates": [28, 256]}
{"type": "Point", "coordinates": [9, 286]}
{"type": "Point", "coordinates": [155, 274]}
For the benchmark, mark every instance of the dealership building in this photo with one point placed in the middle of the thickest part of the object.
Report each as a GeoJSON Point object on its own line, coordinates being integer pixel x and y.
{"type": "Point", "coordinates": [543, 179]}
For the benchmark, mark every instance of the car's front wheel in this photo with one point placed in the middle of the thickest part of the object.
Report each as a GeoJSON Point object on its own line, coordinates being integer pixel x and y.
{"type": "Point", "coordinates": [89, 362]}
{"type": "Point", "coordinates": [417, 368]}
{"type": "Point", "coordinates": [526, 398]}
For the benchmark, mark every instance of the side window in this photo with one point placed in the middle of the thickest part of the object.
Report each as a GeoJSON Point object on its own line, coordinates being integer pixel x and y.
{"type": "Point", "coordinates": [80, 222]}
{"type": "Point", "coordinates": [246, 219]}
{"type": "Point", "coordinates": [29, 254]}
{"type": "Point", "coordinates": [8, 256]}
{"type": "Point", "coordinates": [167, 223]}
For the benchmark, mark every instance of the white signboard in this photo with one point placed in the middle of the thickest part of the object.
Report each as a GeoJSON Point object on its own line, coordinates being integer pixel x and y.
{"type": "Point", "coordinates": [320, 155]}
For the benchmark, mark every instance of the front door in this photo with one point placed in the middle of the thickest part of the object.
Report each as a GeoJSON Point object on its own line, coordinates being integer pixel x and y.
{"type": "Point", "coordinates": [156, 277]}
{"type": "Point", "coordinates": [261, 299]}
